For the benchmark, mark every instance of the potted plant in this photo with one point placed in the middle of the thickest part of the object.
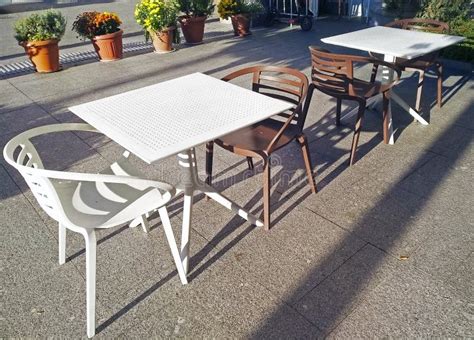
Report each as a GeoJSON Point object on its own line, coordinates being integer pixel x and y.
{"type": "Point", "coordinates": [195, 15]}
{"type": "Point", "coordinates": [103, 29]}
{"type": "Point", "coordinates": [158, 19]}
{"type": "Point", "coordinates": [39, 34]}
{"type": "Point", "coordinates": [240, 12]}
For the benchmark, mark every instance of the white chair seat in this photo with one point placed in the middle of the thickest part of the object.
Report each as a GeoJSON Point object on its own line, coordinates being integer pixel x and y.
{"type": "Point", "coordinates": [103, 205]}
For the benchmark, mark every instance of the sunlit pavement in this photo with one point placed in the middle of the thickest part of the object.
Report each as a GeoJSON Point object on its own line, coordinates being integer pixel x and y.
{"type": "Point", "coordinates": [383, 250]}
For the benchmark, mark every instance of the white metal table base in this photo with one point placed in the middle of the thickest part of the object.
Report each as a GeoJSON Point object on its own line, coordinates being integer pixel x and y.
{"type": "Point", "coordinates": [189, 183]}
{"type": "Point", "coordinates": [387, 75]}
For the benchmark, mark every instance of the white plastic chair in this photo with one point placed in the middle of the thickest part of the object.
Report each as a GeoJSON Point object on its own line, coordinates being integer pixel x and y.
{"type": "Point", "coordinates": [84, 202]}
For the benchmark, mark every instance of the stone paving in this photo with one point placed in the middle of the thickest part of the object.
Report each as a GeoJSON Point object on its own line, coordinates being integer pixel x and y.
{"type": "Point", "coordinates": [383, 250]}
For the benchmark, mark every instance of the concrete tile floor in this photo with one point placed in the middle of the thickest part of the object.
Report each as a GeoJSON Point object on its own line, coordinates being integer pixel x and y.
{"type": "Point", "coordinates": [383, 250]}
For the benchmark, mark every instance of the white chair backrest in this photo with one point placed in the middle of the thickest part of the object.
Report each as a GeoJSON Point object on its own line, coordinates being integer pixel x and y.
{"type": "Point", "coordinates": [21, 154]}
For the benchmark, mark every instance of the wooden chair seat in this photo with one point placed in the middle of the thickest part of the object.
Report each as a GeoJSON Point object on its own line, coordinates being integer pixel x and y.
{"type": "Point", "coordinates": [258, 136]}
{"type": "Point", "coordinates": [366, 89]}
{"type": "Point", "coordinates": [422, 63]}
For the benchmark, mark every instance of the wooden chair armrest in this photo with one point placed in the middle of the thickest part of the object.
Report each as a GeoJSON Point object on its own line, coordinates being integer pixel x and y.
{"type": "Point", "coordinates": [274, 141]}
{"type": "Point", "coordinates": [376, 63]}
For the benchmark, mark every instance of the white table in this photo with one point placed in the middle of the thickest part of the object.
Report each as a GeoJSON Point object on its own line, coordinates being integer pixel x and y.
{"type": "Point", "coordinates": [173, 117]}
{"type": "Point", "coordinates": [394, 43]}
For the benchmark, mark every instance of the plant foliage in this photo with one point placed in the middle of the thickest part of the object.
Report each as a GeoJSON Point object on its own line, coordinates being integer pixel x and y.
{"type": "Point", "coordinates": [227, 8]}
{"type": "Point", "coordinates": [445, 10]}
{"type": "Point", "coordinates": [91, 24]}
{"type": "Point", "coordinates": [465, 50]}
{"type": "Point", "coordinates": [46, 25]}
{"type": "Point", "coordinates": [196, 8]}
{"type": "Point", "coordinates": [456, 14]}
{"type": "Point", "coordinates": [156, 15]}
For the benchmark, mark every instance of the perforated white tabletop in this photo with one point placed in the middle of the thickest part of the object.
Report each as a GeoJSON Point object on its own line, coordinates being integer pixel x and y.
{"type": "Point", "coordinates": [161, 120]}
{"type": "Point", "coordinates": [393, 41]}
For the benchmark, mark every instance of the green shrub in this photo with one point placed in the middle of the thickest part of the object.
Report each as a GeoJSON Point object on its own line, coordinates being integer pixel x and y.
{"type": "Point", "coordinates": [47, 25]}
{"type": "Point", "coordinates": [465, 50]}
{"type": "Point", "coordinates": [456, 14]}
{"type": "Point", "coordinates": [445, 10]}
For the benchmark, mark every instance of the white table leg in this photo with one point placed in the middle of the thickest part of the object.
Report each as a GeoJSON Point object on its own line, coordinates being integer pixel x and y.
{"type": "Point", "coordinates": [387, 75]}
{"type": "Point", "coordinates": [396, 98]}
{"type": "Point", "coordinates": [189, 183]}
{"type": "Point", "coordinates": [221, 199]}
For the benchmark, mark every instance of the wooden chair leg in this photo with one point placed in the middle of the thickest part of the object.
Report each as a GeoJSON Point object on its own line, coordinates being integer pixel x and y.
{"type": "Point", "coordinates": [419, 92]}
{"type": "Point", "coordinates": [386, 117]}
{"type": "Point", "coordinates": [338, 111]}
{"type": "Point", "coordinates": [266, 194]}
{"type": "Point", "coordinates": [439, 71]}
{"type": "Point", "coordinates": [307, 161]}
{"type": "Point", "coordinates": [250, 163]}
{"type": "Point", "coordinates": [307, 101]}
{"type": "Point", "coordinates": [357, 130]}
{"type": "Point", "coordinates": [209, 156]}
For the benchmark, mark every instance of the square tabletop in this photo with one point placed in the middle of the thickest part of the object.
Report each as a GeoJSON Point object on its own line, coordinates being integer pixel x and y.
{"type": "Point", "coordinates": [394, 41]}
{"type": "Point", "coordinates": [164, 119]}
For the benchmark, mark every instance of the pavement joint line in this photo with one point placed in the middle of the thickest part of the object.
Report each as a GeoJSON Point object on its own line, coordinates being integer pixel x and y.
{"type": "Point", "coordinates": [333, 271]}
{"type": "Point", "coordinates": [336, 224]}
{"type": "Point", "coordinates": [409, 173]}
{"type": "Point", "coordinates": [289, 305]}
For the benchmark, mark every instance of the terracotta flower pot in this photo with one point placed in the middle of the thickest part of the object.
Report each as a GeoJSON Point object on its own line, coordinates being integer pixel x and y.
{"type": "Point", "coordinates": [108, 46]}
{"type": "Point", "coordinates": [241, 24]}
{"type": "Point", "coordinates": [43, 54]}
{"type": "Point", "coordinates": [193, 29]}
{"type": "Point", "coordinates": [163, 41]}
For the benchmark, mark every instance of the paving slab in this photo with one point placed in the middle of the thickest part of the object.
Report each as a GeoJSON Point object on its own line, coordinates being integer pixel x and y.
{"type": "Point", "coordinates": [51, 303]}
{"type": "Point", "coordinates": [409, 304]}
{"type": "Point", "coordinates": [29, 250]}
{"type": "Point", "coordinates": [12, 99]}
{"type": "Point", "coordinates": [384, 248]}
{"type": "Point", "coordinates": [28, 117]}
{"type": "Point", "coordinates": [333, 299]}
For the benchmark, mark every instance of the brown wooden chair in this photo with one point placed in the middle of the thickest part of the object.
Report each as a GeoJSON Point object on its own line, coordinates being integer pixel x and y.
{"type": "Point", "coordinates": [262, 139]}
{"type": "Point", "coordinates": [423, 63]}
{"type": "Point", "coordinates": [333, 74]}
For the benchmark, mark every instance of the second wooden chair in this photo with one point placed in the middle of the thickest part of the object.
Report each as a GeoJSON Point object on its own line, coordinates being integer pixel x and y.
{"type": "Point", "coordinates": [424, 63]}
{"type": "Point", "coordinates": [333, 74]}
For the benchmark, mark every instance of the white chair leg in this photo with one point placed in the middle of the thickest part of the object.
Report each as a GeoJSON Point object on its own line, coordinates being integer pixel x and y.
{"type": "Point", "coordinates": [62, 243]}
{"type": "Point", "coordinates": [165, 220]}
{"type": "Point", "coordinates": [145, 224]}
{"type": "Point", "coordinates": [141, 220]}
{"type": "Point", "coordinates": [91, 244]}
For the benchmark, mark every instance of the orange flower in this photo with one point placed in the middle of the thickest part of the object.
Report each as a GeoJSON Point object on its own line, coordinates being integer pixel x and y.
{"type": "Point", "coordinates": [105, 17]}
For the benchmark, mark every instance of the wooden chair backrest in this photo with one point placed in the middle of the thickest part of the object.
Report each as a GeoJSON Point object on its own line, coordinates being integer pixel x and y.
{"type": "Point", "coordinates": [278, 82]}
{"type": "Point", "coordinates": [419, 24]}
{"type": "Point", "coordinates": [331, 73]}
